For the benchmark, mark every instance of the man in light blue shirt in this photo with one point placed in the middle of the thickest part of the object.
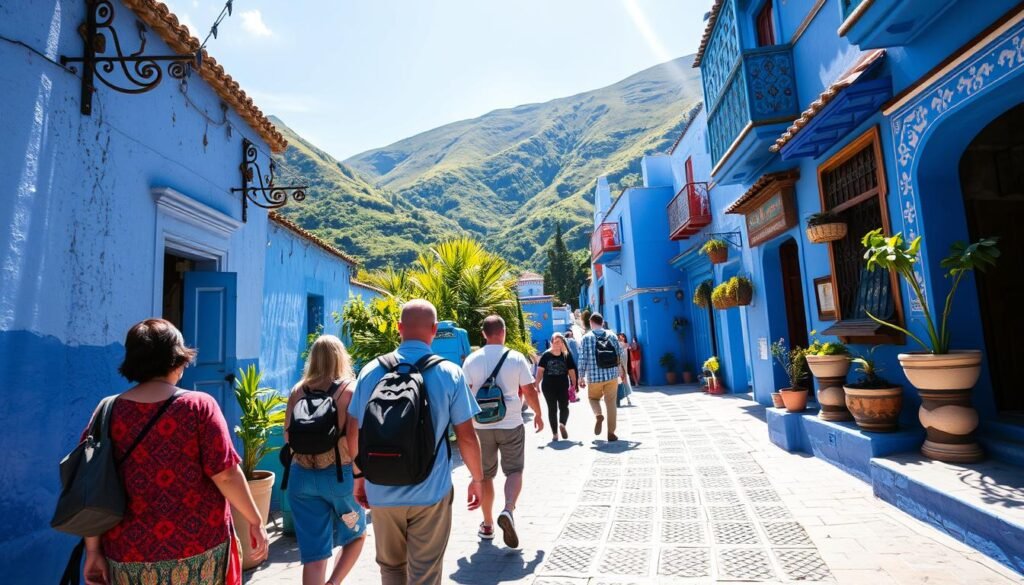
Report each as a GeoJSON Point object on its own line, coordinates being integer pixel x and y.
{"type": "Point", "coordinates": [412, 522]}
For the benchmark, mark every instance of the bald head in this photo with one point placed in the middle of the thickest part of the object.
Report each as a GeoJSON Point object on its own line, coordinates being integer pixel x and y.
{"type": "Point", "coordinates": [418, 321]}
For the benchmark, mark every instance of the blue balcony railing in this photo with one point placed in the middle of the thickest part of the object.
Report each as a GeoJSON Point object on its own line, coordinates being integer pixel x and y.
{"type": "Point", "coordinates": [760, 91]}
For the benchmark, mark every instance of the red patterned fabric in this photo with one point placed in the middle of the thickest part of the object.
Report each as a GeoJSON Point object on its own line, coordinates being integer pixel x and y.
{"type": "Point", "coordinates": [174, 508]}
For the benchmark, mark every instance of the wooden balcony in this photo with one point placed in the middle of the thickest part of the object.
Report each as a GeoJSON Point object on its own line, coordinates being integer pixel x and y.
{"type": "Point", "coordinates": [689, 211]}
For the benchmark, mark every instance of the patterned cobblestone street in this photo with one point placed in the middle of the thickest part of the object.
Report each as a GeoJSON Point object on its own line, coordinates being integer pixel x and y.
{"type": "Point", "coordinates": [693, 493]}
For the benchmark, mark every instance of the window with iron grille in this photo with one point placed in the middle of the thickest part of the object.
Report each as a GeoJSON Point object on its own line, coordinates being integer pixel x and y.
{"type": "Point", "coordinates": [852, 186]}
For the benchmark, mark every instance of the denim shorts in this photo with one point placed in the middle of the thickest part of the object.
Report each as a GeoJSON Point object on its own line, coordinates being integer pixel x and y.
{"type": "Point", "coordinates": [325, 512]}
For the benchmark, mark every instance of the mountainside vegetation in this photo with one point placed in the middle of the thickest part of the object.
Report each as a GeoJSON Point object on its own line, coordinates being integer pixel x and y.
{"type": "Point", "coordinates": [507, 178]}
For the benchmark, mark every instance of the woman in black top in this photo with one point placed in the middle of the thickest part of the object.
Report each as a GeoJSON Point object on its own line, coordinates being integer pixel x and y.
{"type": "Point", "coordinates": [556, 371]}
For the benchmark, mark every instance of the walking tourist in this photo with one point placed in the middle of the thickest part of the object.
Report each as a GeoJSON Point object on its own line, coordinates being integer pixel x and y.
{"type": "Point", "coordinates": [556, 373]}
{"type": "Point", "coordinates": [599, 367]}
{"type": "Point", "coordinates": [497, 375]}
{"type": "Point", "coordinates": [625, 387]}
{"type": "Point", "coordinates": [573, 343]}
{"type": "Point", "coordinates": [319, 481]}
{"type": "Point", "coordinates": [402, 405]}
{"type": "Point", "coordinates": [177, 524]}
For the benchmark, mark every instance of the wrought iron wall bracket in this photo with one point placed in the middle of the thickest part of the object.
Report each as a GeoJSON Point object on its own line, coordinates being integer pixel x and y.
{"type": "Point", "coordinates": [131, 73]}
{"type": "Point", "coordinates": [734, 239]}
{"type": "Point", "coordinates": [259, 189]}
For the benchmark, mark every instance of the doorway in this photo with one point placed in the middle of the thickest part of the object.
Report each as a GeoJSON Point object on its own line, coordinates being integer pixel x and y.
{"type": "Point", "coordinates": [793, 293]}
{"type": "Point", "coordinates": [992, 181]}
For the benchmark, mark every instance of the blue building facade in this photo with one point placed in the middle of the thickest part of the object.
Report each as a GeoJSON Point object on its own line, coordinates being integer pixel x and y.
{"type": "Point", "coordinates": [118, 207]}
{"type": "Point", "coordinates": [901, 115]}
{"type": "Point", "coordinates": [538, 309]}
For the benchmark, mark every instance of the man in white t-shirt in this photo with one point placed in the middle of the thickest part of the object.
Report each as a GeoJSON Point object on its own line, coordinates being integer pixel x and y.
{"type": "Point", "coordinates": [506, 436]}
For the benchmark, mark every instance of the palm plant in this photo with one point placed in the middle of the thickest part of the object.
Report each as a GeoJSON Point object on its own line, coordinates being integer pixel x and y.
{"type": "Point", "coordinates": [892, 253]}
{"type": "Point", "coordinates": [263, 412]}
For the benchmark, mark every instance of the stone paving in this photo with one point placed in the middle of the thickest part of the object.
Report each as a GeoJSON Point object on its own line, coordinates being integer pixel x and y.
{"type": "Point", "coordinates": [694, 493]}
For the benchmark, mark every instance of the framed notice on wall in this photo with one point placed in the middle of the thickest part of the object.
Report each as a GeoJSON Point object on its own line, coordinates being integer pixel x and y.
{"type": "Point", "coordinates": [824, 292]}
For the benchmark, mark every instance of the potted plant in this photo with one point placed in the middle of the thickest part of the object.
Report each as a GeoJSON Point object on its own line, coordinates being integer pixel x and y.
{"type": "Point", "coordinates": [944, 377]}
{"type": "Point", "coordinates": [702, 294]}
{"type": "Point", "coordinates": [829, 361]}
{"type": "Point", "coordinates": [711, 366]}
{"type": "Point", "coordinates": [263, 412]}
{"type": "Point", "coordinates": [741, 290]}
{"type": "Point", "coordinates": [721, 299]}
{"type": "Point", "coordinates": [777, 400]}
{"type": "Point", "coordinates": [795, 365]}
{"type": "Point", "coordinates": [825, 227]}
{"type": "Point", "coordinates": [688, 373]}
{"type": "Point", "coordinates": [874, 401]}
{"type": "Point", "coordinates": [668, 361]}
{"type": "Point", "coordinates": [716, 250]}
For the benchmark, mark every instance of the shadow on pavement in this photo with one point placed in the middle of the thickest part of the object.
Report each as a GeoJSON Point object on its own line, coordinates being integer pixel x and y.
{"type": "Point", "coordinates": [619, 446]}
{"type": "Point", "coordinates": [561, 445]}
{"type": "Point", "coordinates": [491, 565]}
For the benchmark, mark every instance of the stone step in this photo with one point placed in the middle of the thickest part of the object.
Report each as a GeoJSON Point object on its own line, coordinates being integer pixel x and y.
{"type": "Point", "coordinates": [980, 504]}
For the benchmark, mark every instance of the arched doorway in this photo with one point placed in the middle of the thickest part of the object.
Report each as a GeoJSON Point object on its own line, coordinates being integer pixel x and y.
{"type": "Point", "coordinates": [992, 181]}
{"type": "Point", "coordinates": [793, 293]}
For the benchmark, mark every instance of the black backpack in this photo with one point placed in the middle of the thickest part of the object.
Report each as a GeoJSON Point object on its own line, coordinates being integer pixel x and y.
{"type": "Point", "coordinates": [604, 350]}
{"type": "Point", "coordinates": [313, 429]}
{"type": "Point", "coordinates": [396, 439]}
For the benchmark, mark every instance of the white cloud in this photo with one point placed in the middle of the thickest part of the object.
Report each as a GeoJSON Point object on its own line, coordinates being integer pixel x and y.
{"type": "Point", "coordinates": [252, 23]}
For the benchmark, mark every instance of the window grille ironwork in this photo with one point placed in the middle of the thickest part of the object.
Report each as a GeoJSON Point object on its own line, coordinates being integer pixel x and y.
{"type": "Point", "coordinates": [855, 177]}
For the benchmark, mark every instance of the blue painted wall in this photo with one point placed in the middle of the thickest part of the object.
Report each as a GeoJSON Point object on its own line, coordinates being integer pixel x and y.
{"type": "Point", "coordinates": [538, 312]}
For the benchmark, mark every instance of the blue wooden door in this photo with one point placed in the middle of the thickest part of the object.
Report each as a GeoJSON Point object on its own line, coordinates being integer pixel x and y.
{"type": "Point", "coordinates": [209, 326]}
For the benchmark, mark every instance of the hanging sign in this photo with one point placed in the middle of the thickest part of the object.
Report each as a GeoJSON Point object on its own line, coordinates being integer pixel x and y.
{"type": "Point", "coordinates": [774, 215]}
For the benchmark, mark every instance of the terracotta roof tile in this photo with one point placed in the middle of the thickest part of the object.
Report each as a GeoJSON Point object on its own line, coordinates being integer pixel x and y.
{"type": "Point", "coordinates": [759, 186]}
{"type": "Point", "coordinates": [846, 80]}
{"type": "Point", "coordinates": [158, 17]}
{"type": "Point", "coordinates": [308, 235]}
{"type": "Point", "coordinates": [706, 38]}
{"type": "Point", "coordinates": [362, 284]}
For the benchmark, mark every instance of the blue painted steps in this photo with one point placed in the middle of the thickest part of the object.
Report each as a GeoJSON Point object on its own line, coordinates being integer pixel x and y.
{"type": "Point", "coordinates": [980, 504]}
{"type": "Point", "coordinates": [1003, 441]}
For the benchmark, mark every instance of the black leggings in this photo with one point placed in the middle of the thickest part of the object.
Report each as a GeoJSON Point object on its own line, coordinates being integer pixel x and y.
{"type": "Point", "coordinates": [558, 406]}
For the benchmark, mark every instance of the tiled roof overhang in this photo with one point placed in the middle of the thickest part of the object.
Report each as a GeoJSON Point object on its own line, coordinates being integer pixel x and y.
{"type": "Point", "coordinates": [311, 237]}
{"type": "Point", "coordinates": [759, 186]}
{"type": "Point", "coordinates": [159, 18]}
{"type": "Point", "coordinates": [706, 38]}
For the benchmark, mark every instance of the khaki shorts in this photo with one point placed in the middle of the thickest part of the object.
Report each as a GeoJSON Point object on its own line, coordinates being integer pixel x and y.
{"type": "Point", "coordinates": [512, 445]}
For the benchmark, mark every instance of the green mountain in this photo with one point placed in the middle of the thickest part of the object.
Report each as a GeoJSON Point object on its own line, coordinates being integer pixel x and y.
{"type": "Point", "coordinates": [506, 177]}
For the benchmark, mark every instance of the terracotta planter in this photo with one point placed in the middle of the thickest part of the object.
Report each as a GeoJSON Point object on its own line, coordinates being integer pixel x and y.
{"type": "Point", "coordinates": [826, 232]}
{"type": "Point", "coordinates": [744, 295]}
{"type": "Point", "coordinates": [828, 366]}
{"type": "Point", "coordinates": [875, 409]}
{"type": "Point", "coordinates": [687, 377]}
{"type": "Point", "coordinates": [794, 399]}
{"type": "Point", "coordinates": [670, 378]}
{"type": "Point", "coordinates": [718, 256]}
{"type": "Point", "coordinates": [260, 487]}
{"type": "Point", "coordinates": [944, 383]}
{"type": "Point", "coordinates": [777, 400]}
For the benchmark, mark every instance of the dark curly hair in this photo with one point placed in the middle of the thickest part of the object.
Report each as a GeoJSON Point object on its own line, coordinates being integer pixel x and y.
{"type": "Point", "coordinates": [153, 348]}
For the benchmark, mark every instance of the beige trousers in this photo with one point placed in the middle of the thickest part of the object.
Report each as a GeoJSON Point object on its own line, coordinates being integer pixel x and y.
{"type": "Point", "coordinates": [411, 541]}
{"type": "Point", "coordinates": [609, 391]}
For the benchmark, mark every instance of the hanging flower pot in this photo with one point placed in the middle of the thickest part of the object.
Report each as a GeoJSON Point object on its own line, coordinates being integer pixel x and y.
{"type": "Point", "coordinates": [741, 289]}
{"type": "Point", "coordinates": [825, 227]}
{"type": "Point", "coordinates": [721, 299]}
{"type": "Point", "coordinates": [717, 251]}
{"type": "Point", "coordinates": [702, 294]}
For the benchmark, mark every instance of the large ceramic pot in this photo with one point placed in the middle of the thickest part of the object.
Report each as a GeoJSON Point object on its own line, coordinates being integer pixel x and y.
{"type": "Point", "coordinates": [261, 486]}
{"type": "Point", "coordinates": [944, 382]}
{"type": "Point", "coordinates": [670, 378]}
{"type": "Point", "coordinates": [875, 409]}
{"type": "Point", "coordinates": [777, 400]}
{"type": "Point", "coordinates": [828, 366]}
{"type": "Point", "coordinates": [794, 399]}
{"type": "Point", "coordinates": [687, 377]}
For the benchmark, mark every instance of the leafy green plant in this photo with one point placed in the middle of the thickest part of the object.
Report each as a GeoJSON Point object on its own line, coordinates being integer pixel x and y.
{"type": "Point", "coordinates": [869, 372]}
{"type": "Point", "coordinates": [793, 362]}
{"type": "Point", "coordinates": [688, 367]}
{"type": "Point", "coordinates": [371, 328]}
{"type": "Point", "coordinates": [702, 294]}
{"type": "Point", "coordinates": [823, 218]}
{"type": "Point", "coordinates": [713, 245]}
{"type": "Point", "coordinates": [310, 338]}
{"type": "Point", "coordinates": [711, 365]}
{"type": "Point", "coordinates": [263, 411]}
{"type": "Point", "coordinates": [679, 323]}
{"type": "Point", "coordinates": [819, 347]}
{"type": "Point", "coordinates": [893, 253]}
{"type": "Point", "coordinates": [668, 361]}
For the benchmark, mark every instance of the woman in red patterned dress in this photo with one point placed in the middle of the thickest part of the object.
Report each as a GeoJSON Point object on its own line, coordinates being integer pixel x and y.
{"type": "Point", "coordinates": [179, 479]}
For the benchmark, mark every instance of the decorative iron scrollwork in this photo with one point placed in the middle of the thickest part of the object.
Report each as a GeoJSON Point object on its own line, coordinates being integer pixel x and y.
{"type": "Point", "coordinates": [126, 73]}
{"type": "Point", "coordinates": [259, 188]}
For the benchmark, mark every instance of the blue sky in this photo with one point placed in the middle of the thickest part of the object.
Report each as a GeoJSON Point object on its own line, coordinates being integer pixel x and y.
{"type": "Point", "coordinates": [351, 75]}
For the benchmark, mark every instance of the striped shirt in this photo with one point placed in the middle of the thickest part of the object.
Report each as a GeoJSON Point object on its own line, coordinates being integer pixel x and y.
{"type": "Point", "coordinates": [588, 369]}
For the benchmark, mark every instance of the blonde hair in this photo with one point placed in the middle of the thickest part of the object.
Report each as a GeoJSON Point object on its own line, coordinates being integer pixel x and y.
{"type": "Point", "coordinates": [328, 360]}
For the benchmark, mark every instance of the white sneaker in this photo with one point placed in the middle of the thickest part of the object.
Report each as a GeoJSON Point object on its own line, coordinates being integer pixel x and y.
{"type": "Point", "coordinates": [508, 529]}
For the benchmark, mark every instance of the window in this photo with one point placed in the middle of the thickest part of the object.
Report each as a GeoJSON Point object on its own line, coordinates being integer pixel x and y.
{"type": "Point", "coordinates": [314, 314]}
{"type": "Point", "coordinates": [852, 185]}
{"type": "Point", "coordinates": [765, 26]}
